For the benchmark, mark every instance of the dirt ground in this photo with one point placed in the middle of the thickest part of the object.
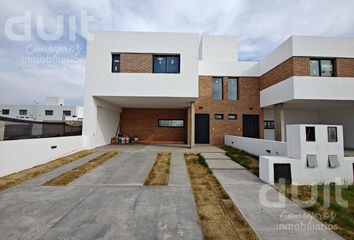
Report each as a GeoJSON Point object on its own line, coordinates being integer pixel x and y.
{"type": "Point", "coordinates": [75, 173]}
{"type": "Point", "coordinates": [19, 177]}
{"type": "Point", "coordinates": [219, 217]}
{"type": "Point", "coordinates": [160, 171]}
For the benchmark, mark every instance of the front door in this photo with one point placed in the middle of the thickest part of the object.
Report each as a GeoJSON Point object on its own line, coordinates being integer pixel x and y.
{"type": "Point", "coordinates": [250, 125]}
{"type": "Point", "coordinates": [201, 128]}
{"type": "Point", "coordinates": [282, 173]}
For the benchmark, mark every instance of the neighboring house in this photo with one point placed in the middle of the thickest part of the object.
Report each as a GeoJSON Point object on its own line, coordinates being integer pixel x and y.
{"type": "Point", "coordinates": [53, 110]}
{"type": "Point", "coordinates": [176, 87]}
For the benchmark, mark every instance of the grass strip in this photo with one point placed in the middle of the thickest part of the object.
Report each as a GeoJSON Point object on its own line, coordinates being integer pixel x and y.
{"type": "Point", "coordinates": [19, 177]}
{"type": "Point", "coordinates": [68, 177]}
{"type": "Point", "coordinates": [160, 171]}
{"type": "Point", "coordinates": [333, 215]}
{"type": "Point", "coordinates": [219, 218]}
{"type": "Point", "coordinates": [247, 160]}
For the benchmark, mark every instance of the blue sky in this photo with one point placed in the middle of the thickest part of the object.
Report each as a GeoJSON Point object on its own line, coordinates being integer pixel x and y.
{"type": "Point", "coordinates": [33, 69]}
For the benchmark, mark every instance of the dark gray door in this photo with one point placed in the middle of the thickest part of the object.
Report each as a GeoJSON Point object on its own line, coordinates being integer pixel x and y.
{"type": "Point", "coordinates": [250, 126]}
{"type": "Point", "coordinates": [282, 171]}
{"type": "Point", "coordinates": [201, 128]}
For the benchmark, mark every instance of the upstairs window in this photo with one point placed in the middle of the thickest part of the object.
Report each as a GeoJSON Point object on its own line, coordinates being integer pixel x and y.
{"type": "Point", "coordinates": [321, 67]}
{"type": "Point", "coordinates": [217, 88]}
{"type": "Point", "coordinates": [310, 134]}
{"type": "Point", "coordinates": [5, 111]}
{"type": "Point", "coordinates": [166, 64]}
{"type": "Point", "coordinates": [49, 112]}
{"type": "Point", "coordinates": [67, 113]}
{"type": "Point", "coordinates": [233, 88]}
{"type": "Point", "coordinates": [23, 111]}
{"type": "Point", "coordinates": [115, 63]}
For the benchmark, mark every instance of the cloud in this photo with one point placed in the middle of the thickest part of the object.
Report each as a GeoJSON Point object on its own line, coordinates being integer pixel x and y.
{"type": "Point", "coordinates": [260, 26]}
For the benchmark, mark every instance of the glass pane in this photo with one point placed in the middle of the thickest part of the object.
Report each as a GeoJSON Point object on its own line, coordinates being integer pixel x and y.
{"type": "Point", "coordinates": [177, 123]}
{"type": "Point", "coordinates": [115, 63]}
{"type": "Point", "coordinates": [326, 68]}
{"type": "Point", "coordinates": [159, 64]}
{"type": "Point", "coordinates": [217, 88]}
{"type": "Point", "coordinates": [315, 68]}
{"type": "Point", "coordinates": [310, 134]}
{"type": "Point", "coordinates": [332, 134]}
{"type": "Point", "coordinates": [232, 88]}
{"type": "Point", "coordinates": [232, 116]}
{"type": "Point", "coordinates": [219, 116]}
{"type": "Point", "coordinates": [173, 64]}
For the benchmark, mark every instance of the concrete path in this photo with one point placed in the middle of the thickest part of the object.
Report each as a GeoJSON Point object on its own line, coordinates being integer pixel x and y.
{"type": "Point", "coordinates": [255, 200]}
{"type": "Point", "coordinates": [108, 202]}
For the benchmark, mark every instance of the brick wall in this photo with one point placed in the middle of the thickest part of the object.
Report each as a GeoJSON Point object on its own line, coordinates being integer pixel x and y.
{"type": "Point", "coordinates": [294, 66]}
{"type": "Point", "coordinates": [136, 62]}
{"type": "Point", "coordinates": [344, 67]}
{"type": "Point", "coordinates": [143, 122]}
{"type": "Point", "coordinates": [248, 103]}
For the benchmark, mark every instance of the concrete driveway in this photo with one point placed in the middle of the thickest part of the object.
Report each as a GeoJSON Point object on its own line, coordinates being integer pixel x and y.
{"type": "Point", "coordinates": [110, 202]}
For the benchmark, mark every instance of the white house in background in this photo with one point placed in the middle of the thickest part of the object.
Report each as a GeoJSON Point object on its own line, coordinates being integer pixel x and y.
{"type": "Point", "coordinates": [53, 110]}
{"type": "Point", "coordinates": [315, 154]}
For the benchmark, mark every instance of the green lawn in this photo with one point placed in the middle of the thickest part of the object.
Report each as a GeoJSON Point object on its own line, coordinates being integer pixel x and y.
{"type": "Point", "coordinates": [334, 214]}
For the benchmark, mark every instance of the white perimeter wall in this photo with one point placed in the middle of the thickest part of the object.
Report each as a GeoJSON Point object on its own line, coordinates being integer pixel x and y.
{"type": "Point", "coordinates": [256, 146]}
{"type": "Point", "coordinates": [18, 155]}
{"type": "Point", "coordinates": [107, 125]}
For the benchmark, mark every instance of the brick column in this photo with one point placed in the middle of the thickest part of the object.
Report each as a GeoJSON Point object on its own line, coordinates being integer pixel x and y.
{"type": "Point", "coordinates": [279, 130]}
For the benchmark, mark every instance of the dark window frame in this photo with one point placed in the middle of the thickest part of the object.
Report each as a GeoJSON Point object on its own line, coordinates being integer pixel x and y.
{"type": "Point", "coordinates": [112, 67]}
{"type": "Point", "coordinates": [6, 110]}
{"type": "Point", "coordinates": [232, 114]}
{"type": "Point", "coordinates": [166, 56]}
{"type": "Point", "coordinates": [22, 112]}
{"type": "Point", "coordinates": [269, 124]}
{"type": "Point", "coordinates": [159, 125]}
{"type": "Point", "coordinates": [222, 88]}
{"type": "Point", "coordinates": [310, 138]}
{"type": "Point", "coordinates": [320, 66]}
{"type": "Point", "coordinates": [237, 88]}
{"type": "Point", "coordinates": [328, 134]}
{"type": "Point", "coordinates": [219, 114]}
{"type": "Point", "coordinates": [66, 111]}
{"type": "Point", "coordinates": [47, 111]}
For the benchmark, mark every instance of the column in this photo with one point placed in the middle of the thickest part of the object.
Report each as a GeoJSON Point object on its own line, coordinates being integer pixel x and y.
{"type": "Point", "coordinates": [279, 125]}
{"type": "Point", "coordinates": [192, 121]}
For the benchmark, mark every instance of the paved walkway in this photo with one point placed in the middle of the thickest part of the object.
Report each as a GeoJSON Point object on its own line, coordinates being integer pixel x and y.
{"type": "Point", "coordinates": [269, 222]}
{"type": "Point", "coordinates": [109, 202]}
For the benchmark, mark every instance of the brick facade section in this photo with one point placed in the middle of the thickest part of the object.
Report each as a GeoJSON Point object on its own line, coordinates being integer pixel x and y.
{"type": "Point", "coordinates": [143, 122]}
{"type": "Point", "coordinates": [136, 62]}
{"type": "Point", "coordinates": [248, 103]}
{"type": "Point", "coordinates": [344, 67]}
{"type": "Point", "coordinates": [294, 66]}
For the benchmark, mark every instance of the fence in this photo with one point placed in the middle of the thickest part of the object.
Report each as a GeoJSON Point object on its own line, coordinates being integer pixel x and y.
{"type": "Point", "coordinates": [15, 129]}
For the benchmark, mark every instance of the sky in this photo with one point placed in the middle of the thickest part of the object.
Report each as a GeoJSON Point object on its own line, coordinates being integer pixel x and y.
{"type": "Point", "coordinates": [43, 42]}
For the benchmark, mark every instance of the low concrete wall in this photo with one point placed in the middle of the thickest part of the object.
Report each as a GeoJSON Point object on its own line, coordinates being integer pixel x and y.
{"type": "Point", "coordinates": [17, 155]}
{"type": "Point", "coordinates": [259, 147]}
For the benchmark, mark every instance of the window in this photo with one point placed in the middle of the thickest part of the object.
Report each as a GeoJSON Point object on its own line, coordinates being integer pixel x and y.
{"type": "Point", "coordinates": [115, 63]}
{"type": "Point", "coordinates": [171, 123]}
{"type": "Point", "coordinates": [232, 116]}
{"type": "Point", "coordinates": [49, 112]}
{"type": "Point", "coordinates": [166, 64]}
{"type": "Point", "coordinates": [23, 112]}
{"type": "Point", "coordinates": [219, 116]}
{"type": "Point", "coordinates": [310, 134]}
{"type": "Point", "coordinates": [217, 88]}
{"type": "Point", "coordinates": [333, 161]}
{"type": "Point", "coordinates": [5, 111]}
{"type": "Point", "coordinates": [332, 134]}
{"type": "Point", "coordinates": [321, 67]}
{"type": "Point", "coordinates": [269, 125]}
{"type": "Point", "coordinates": [311, 161]}
{"type": "Point", "coordinates": [67, 113]}
{"type": "Point", "coordinates": [233, 88]}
